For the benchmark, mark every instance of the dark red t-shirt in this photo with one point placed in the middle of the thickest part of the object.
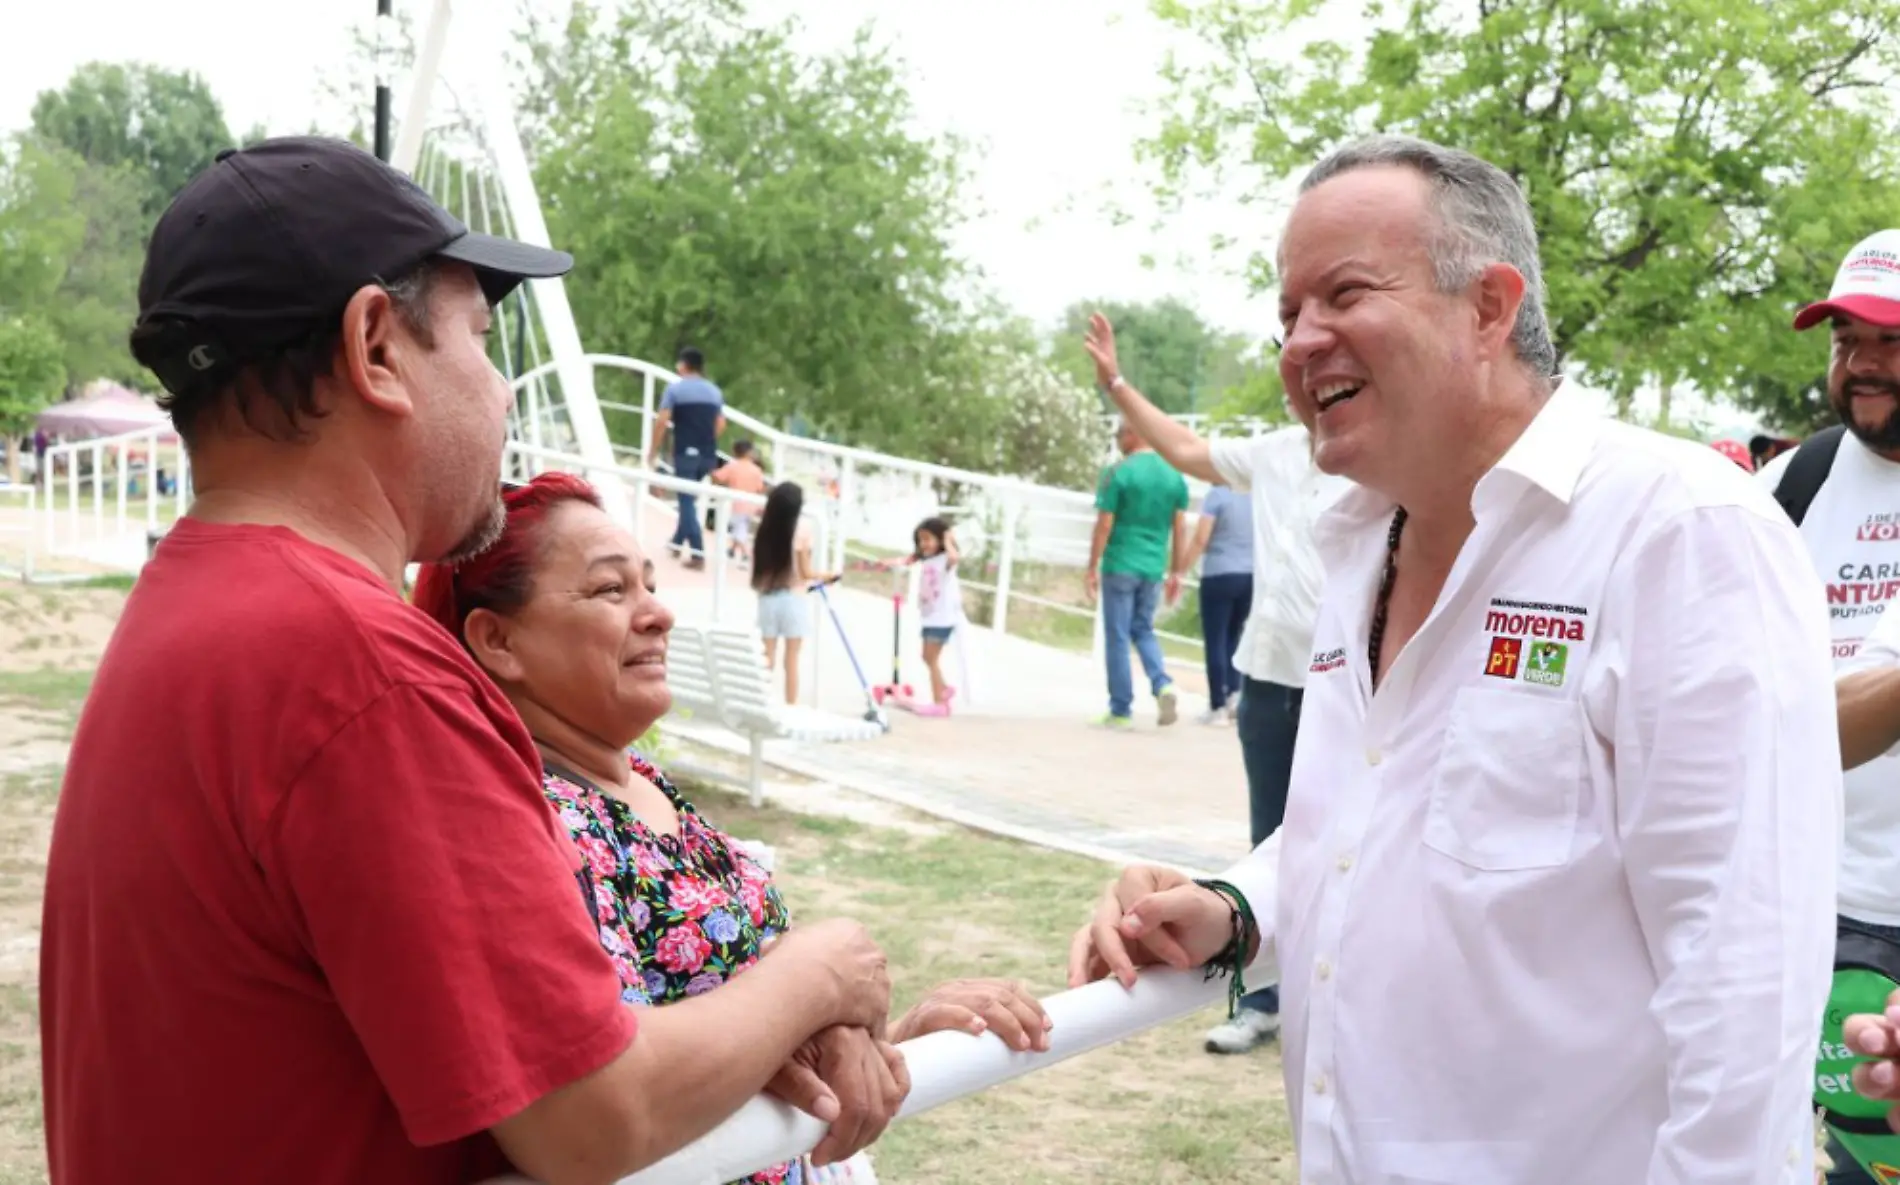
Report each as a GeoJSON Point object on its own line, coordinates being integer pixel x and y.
{"type": "Point", "coordinates": [308, 916]}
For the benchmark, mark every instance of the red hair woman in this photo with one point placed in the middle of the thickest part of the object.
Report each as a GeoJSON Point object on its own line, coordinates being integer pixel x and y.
{"type": "Point", "coordinates": [561, 614]}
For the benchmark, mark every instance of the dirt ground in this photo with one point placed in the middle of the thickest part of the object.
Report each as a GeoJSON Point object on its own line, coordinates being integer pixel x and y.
{"type": "Point", "coordinates": [50, 641]}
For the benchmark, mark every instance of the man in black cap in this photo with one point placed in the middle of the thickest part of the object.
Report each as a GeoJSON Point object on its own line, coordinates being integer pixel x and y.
{"type": "Point", "coordinates": [308, 917]}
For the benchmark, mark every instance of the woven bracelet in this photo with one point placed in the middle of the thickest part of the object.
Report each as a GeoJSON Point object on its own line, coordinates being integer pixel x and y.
{"type": "Point", "coordinates": [1232, 958]}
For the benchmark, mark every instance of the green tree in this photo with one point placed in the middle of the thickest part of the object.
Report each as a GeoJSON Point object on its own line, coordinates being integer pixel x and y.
{"type": "Point", "coordinates": [69, 253]}
{"type": "Point", "coordinates": [163, 125]}
{"type": "Point", "coordinates": [31, 376]}
{"type": "Point", "coordinates": [41, 225]}
{"type": "Point", "coordinates": [1164, 347]}
{"type": "Point", "coordinates": [1697, 167]}
{"type": "Point", "coordinates": [776, 210]}
{"type": "Point", "coordinates": [71, 245]}
{"type": "Point", "coordinates": [1178, 360]}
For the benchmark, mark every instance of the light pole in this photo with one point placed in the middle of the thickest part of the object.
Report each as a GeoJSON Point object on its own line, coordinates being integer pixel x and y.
{"type": "Point", "coordinates": [383, 53]}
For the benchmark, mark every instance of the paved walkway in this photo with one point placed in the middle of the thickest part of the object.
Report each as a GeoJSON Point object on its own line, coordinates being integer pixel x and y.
{"type": "Point", "coordinates": [1021, 755]}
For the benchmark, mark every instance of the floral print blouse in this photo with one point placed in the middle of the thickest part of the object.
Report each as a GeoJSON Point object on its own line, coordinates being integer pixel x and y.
{"type": "Point", "coordinates": [678, 915]}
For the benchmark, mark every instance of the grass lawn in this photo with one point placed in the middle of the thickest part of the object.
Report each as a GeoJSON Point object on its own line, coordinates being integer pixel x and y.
{"type": "Point", "coordinates": [944, 901]}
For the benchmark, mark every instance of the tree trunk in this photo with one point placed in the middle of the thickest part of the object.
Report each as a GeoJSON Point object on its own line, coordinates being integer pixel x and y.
{"type": "Point", "coordinates": [1665, 398]}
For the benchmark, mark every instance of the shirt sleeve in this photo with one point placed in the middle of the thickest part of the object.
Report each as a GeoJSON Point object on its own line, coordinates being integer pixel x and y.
{"type": "Point", "coordinates": [439, 895]}
{"type": "Point", "coordinates": [1233, 458]}
{"type": "Point", "coordinates": [1728, 808]}
{"type": "Point", "coordinates": [1108, 490]}
{"type": "Point", "coordinates": [667, 399]}
{"type": "Point", "coordinates": [1257, 876]}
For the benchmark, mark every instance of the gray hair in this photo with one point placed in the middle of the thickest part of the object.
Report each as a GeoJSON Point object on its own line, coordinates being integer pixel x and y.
{"type": "Point", "coordinates": [1483, 219]}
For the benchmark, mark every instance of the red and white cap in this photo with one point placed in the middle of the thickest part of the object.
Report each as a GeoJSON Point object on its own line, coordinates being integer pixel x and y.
{"type": "Point", "coordinates": [1867, 287]}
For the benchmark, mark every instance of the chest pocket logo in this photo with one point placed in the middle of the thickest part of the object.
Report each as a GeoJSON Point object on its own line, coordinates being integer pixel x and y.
{"type": "Point", "coordinates": [1504, 796]}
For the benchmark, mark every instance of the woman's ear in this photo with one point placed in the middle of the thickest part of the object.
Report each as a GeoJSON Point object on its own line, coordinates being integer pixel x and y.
{"type": "Point", "coordinates": [491, 641]}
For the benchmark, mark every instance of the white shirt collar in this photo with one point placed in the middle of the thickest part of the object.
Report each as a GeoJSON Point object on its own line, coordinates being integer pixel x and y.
{"type": "Point", "coordinates": [1549, 455]}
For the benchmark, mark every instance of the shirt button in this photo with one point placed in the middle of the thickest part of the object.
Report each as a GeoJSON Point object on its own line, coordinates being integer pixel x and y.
{"type": "Point", "coordinates": [1324, 970]}
{"type": "Point", "coordinates": [1319, 1084]}
{"type": "Point", "coordinates": [1372, 757]}
{"type": "Point", "coordinates": [1345, 864]}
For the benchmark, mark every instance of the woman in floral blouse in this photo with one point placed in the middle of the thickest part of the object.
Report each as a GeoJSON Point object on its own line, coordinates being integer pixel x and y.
{"type": "Point", "coordinates": [561, 614]}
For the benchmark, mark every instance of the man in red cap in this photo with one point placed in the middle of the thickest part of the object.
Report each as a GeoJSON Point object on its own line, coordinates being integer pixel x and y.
{"type": "Point", "coordinates": [1842, 486]}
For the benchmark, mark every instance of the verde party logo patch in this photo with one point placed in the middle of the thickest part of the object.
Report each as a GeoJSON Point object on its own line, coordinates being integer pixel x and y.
{"type": "Point", "coordinates": [1546, 662]}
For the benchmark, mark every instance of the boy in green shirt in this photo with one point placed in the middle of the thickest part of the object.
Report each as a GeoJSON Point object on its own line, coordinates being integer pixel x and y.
{"type": "Point", "coordinates": [1140, 543]}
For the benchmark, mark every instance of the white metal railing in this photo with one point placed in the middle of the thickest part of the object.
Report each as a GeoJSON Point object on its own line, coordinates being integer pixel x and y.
{"type": "Point", "coordinates": [643, 483]}
{"type": "Point", "coordinates": [26, 529]}
{"type": "Point", "coordinates": [944, 1067]}
{"type": "Point", "coordinates": [1212, 427]}
{"type": "Point", "coordinates": [120, 477]}
{"type": "Point", "coordinates": [873, 500]}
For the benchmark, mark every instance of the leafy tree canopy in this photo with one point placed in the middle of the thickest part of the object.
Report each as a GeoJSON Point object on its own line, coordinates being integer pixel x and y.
{"type": "Point", "coordinates": [1698, 168]}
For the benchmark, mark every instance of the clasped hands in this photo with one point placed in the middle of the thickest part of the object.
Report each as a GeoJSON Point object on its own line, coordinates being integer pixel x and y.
{"type": "Point", "coordinates": [856, 1079]}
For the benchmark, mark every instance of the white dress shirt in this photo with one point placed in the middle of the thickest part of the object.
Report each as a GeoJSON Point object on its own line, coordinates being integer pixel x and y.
{"type": "Point", "coordinates": [1289, 493]}
{"type": "Point", "coordinates": [1557, 903]}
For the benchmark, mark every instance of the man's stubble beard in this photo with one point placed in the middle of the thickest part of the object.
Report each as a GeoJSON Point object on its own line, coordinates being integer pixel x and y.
{"type": "Point", "coordinates": [1886, 437]}
{"type": "Point", "coordinates": [483, 535]}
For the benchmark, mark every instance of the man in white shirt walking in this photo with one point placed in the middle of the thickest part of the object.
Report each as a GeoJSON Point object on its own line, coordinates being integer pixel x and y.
{"type": "Point", "coordinates": [1553, 898]}
{"type": "Point", "coordinates": [1288, 493]}
{"type": "Point", "coordinates": [1842, 487]}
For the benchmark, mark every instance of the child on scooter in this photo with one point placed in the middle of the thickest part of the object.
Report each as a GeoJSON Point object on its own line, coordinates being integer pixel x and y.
{"type": "Point", "coordinates": [939, 602]}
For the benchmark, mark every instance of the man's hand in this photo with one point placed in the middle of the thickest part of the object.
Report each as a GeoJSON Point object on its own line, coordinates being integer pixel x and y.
{"type": "Point", "coordinates": [841, 954]}
{"type": "Point", "coordinates": [850, 1080]}
{"type": "Point", "coordinates": [1878, 1037]}
{"type": "Point", "coordinates": [1150, 915]}
{"type": "Point", "coordinates": [1100, 343]}
{"type": "Point", "coordinates": [1092, 583]}
{"type": "Point", "coordinates": [1000, 1006]}
{"type": "Point", "coordinates": [1172, 589]}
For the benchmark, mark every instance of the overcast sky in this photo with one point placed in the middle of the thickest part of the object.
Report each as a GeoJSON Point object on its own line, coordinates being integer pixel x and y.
{"type": "Point", "coordinates": [1048, 91]}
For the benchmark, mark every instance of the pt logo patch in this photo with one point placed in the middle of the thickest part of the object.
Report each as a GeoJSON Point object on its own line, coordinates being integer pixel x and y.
{"type": "Point", "coordinates": [1547, 663]}
{"type": "Point", "coordinates": [1505, 653]}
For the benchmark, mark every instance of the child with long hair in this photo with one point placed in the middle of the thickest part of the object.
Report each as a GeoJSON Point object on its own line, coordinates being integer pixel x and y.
{"type": "Point", "coordinates": [939, 602]}
{"type": "Point", "coordinates": [781, 572]}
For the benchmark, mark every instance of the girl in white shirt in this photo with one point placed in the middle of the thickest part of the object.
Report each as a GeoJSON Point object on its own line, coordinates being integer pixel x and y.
{"type": "Point", "coordinates": [939, 603]}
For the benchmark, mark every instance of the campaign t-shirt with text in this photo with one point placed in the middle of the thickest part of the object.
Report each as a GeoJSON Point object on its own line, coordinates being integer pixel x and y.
{"type": "Point", "coordinates": [1852, 531]}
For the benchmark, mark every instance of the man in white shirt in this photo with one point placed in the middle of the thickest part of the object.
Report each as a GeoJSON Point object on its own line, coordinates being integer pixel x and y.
{"type": "Point", "coordinates": [1842, 487]}
{"type": "Point", "coordinates": [1553, 896]}
{"type": "Point", "coordinates": [1289, 492]}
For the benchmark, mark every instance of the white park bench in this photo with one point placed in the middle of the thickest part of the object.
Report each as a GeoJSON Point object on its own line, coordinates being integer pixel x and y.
{"type": "Point", "coordinates": [718, 674]}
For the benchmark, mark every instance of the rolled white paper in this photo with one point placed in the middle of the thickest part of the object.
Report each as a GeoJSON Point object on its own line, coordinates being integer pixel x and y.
{"type": "Point", "coordinates": [943, 1067]}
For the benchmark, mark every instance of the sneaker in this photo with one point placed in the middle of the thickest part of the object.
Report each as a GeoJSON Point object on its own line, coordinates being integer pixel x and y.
{"type": "Point", "coordinates": [1169, 705]}
{"type": "Point", "coordinates": [1214, 716]}
{"type": "Point", "coordinates": [1249, 1029]}
{"type": "Point", "coordinates": [1116, 723]}
{"type": "Point", "coordinates": [931, 710]}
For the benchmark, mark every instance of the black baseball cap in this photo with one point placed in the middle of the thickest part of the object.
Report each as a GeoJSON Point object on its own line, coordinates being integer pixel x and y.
{"type": "Point", "coordinates": [271, 242]}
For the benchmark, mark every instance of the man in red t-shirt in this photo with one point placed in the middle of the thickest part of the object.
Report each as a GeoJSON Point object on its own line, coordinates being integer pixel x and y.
{"type": "Point", "coordinates": [307, 916]}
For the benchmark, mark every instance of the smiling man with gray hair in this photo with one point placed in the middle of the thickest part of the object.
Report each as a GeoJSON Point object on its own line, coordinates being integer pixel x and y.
{"type": "Point", "coordinates": [1553, 897]}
